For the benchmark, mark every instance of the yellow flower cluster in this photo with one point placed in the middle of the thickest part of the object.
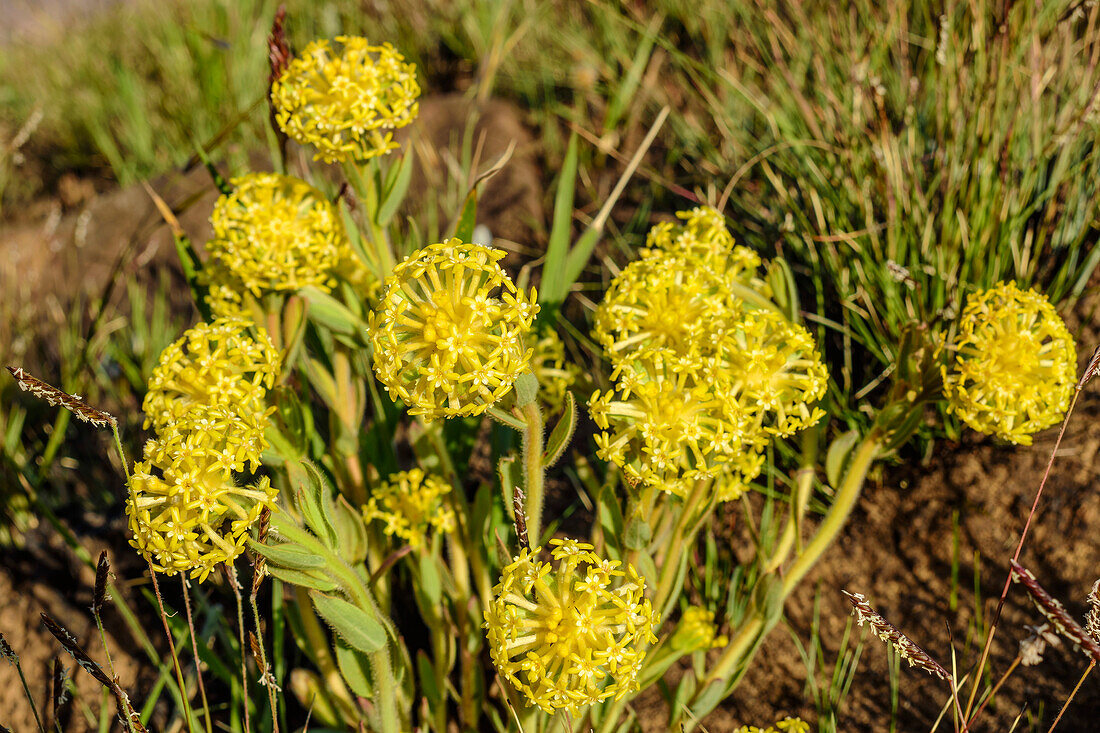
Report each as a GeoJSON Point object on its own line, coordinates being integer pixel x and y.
{"type": "Point", "coordinates": [411, 504]}
{"type": "Point", "coordinates": [346, 101]}
{"type": "Point", "coordinates": [704, 378]}
{"type": "Point", "coordinates": [572, 634]}
{"type": "Point", "coordinates": [206, 404]}
{"type": "Point", "coordinates": [554, 373]}
{"type": "Point", "coordinates": [669, 429]}
{"type": "Point", "coordinates": [697, 631]}
{"type": "Point", "coordinates": [272, 233]}
{"type": "Point", "coordinates": [787, 725]}
{"type": "Point", "coordinates": [704, 239]}
{"type": "Point", "coordinates": [1015, 366]}
{"type": "Point", "coordinates": [448, 336]}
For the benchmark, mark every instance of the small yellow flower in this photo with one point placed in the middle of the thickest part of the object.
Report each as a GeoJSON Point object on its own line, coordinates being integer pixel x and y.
{"type": "Point", "coordinates": [448, 336]}
{"type": "Point", "coordinates": [572, 632]}
{"type": "Point", "coordinates": [665, 302]}
{"type": "Point", "coordinates": [787, 725]}
{"type": "Point", "coordinates": [704, 239]}
{"type": "Point", "coordinates": [776, 371]}
{"type": "Point", "coordinates": [697, 631]}
{"type": "Point", "coordinates": [186, 511]}
{"type": "Point", "coordinates": [411, 504]}
{"type": "Point", "coordinates": [1015, 367]}
{"type": "Point", "coordinates": [274, 233]}
{"type": "Point", "coordinates": [554, 373]}
{"type": "Point", "coordinates": [668, 429]}
{"type": "Point", "coordinates": [211, 364]}
{"type": "Point", "coordinates": [346, 101]}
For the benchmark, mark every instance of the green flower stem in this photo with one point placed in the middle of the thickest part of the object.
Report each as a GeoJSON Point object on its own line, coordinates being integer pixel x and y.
{"type": "Point", "coordinates": [804, 485]}
{"type": "Point", "coordinates": [533, 469]}
{"type": "Point", "coordinates": [686, 528]}
{"type": "Point", "coordinates": [742, 646]}
{"type": "Point", "coordinates": [326, 664]}
{"type": "Point", "coordinates": [385, 684]}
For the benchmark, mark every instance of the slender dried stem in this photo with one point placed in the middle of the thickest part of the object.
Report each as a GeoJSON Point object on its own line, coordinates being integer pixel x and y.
{"type": "Point", "coordinates": [195, 651]}
{"type": "Point", "coordinates": [172, 648]}
{"type": "Point", "coordinates": [1071, 696]}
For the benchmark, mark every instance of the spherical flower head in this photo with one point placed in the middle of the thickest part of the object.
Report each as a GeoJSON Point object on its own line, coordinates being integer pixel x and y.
{"type": "Point", "coordinates": [448, 336]}
{"type": "Point", "coordinates": [776, 370]}
{"type": "Point", "coordinates": [554, 373]}
{"type": "Point", "coordinates": [411, 505]}
{"type": "Point", "coordinates": [187, 514]}
{"type": "Point", "coordinates": [704, 239]}
{"type": "Point", "coordinates": [1015, 367]}
{"type": "Point", "coordinates": [665, 302]}
{"type": "Point", "coordinates": [274, 233]}
{"type": "Point", "coordinates": [668, 429]}
{"type": "Point", "coordinates": [217, 363]}
{"type": "Point", "coordinates": [570, 632]}
{"type": "Point", "coordinates": [697, 631]}
{"type": "Point", "coordinates": [346, 100]}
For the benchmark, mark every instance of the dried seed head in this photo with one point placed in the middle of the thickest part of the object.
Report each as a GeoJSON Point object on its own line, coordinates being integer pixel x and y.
{"type": "Point", "coordinates": [889, 633]}
{"type": "Point", "coordinates": [102, 575]}
{"type": "Point", "coordinates": [1033, 647]}
{"type": "Point", "coordinates": [1092, 618]}
{"type": "Point", "coordinates": [56, 397]}
{"type": "Point", "coordinates": [1091, 370]}
{"type": "Point", "coordinates": [7, 652]}
{"type": "Point", "coordinates": [1056, 613]}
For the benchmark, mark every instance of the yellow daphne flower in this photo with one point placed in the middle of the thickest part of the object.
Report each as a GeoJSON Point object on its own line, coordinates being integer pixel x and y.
{"type": "Point", "coordinates": [787, 725]}
{"type": "Point", "coordinates": [273, 233]}
{"type": "Point", "coordinates": [185, 510]}
{"type": "Point", "coordinates": [1015, 366]}
{"type": "Point", "coordinates": [775, 369]}
{"type": "Point", "coordinates": [572, 632]}
{"type": "Point", "coordinates": [697, 631]}
{"type": "Point", "coordinates": [666, 303]}
{"type": "Point", "coordinates": [704, 239]}
{"type": "Point", "coordinates": [668, 429]}
{"type": "Point", "coordinates": [346, 101]}
{"type": "Point", "coordinates": [449, 334]}
{"type": "Point", "coordinates": [411, 504]}
{"type": "Point", "coordinates": [554, 373]}
{"type": "Point", "coordinates": [215, 363]}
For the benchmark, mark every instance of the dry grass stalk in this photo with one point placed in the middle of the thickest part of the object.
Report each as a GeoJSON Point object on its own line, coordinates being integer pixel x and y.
{"type": "Point", "coordinates": [1056, 613]}
{"type": "Point", "coordinates": [889, 633]}
{"type": "Point", "coordinates": [56, 397]}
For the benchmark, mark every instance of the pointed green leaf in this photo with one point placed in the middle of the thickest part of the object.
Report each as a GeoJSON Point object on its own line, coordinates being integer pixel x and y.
{"type": "Point", "coordinates": [838, 454]}
{"type": "Point", "coordinates": [638, 534]}
{"type": "Point", "coordinates": [428, 686]}
{"type": "Point", "coordinates": [430, 584]}
{"type": "Point", "coordinates": [506, 418]}
{"type": "Point", "coordinates": [354, 668]}
{"type": "Point", "coordinates": [553, 269]}
{"type": "Point", "coordinates": [315, 503]}
{"type": "Point", "coordinates": [332, 314]}
{"type": "Point", "coordinates": [397, 185]}
{"type": "Point", "coordinates": [562, 432]}
{"type": "Point", "coordinates": [357, 627]}
{"type": "Point", "coordinates": [305, 579]}
{"type": "Point", "coordinates": [288, 555]}
{"type": "Point", "coordinates": [464, 230]}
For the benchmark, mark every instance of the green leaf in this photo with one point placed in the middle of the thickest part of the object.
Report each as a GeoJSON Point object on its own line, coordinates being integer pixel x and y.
{"type": "Point", "coordinates": [312, 580]}
{"type": "Point", "coordinates": [426, 674]}
{"type": "Point", "coordinates": [354, 668]}
{"type": "Point", "coordinates": [357, 627]}
{"type": "Point", "coordinates": [464, 230]}
{"type": "Point", "coordinates": [317, 506]}
{"type": "Point", "coordinates": [525, 389]}
{"type": "Point", "coordinates": [430, 584]}
{"type": "Point", "coordinates": [506, 418]}
{"type": "Point", "coordinates": [562, 432]}
{"type": "Point", "coordinates": [288, 555]}
{"type": "Point", "coordinates": [397, 185]}
{"type": "Point", "coordinates": [350, 532]}
{"type": "Point", "coordinates": [332, 314]}
{"type": "Point", "coordinates": [506, 474]}
{"type": "Point", "coordinates": [578, 257]}
{"type": "Point", "coordinates": [838, 454]}
{"type": "Point", "coordinates": [638, 534]}
{"type": "Point", "coordinates": [784, 293]}
{"type": "Point", "coordinates": [554, 284]}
